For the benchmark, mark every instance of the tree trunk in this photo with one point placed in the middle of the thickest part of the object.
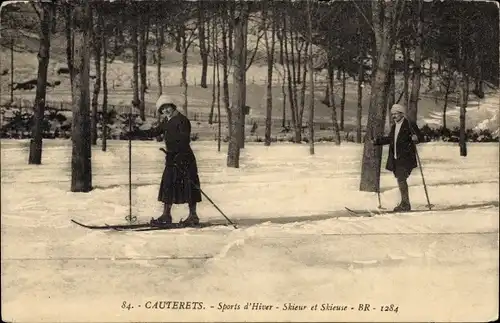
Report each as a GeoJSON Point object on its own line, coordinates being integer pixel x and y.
{"type": "Point", "coordinates": [143, 30]}
{"type": "Point", "coordinates": [178, 38]}
{"type": "Point", "coordinates": [279, 34]}
{"type": "Point", "coordinates": [326, 99]}
{"type": "Point", "coordinates": [463, 92]}
{"type": "Point", "coordinates": [283, 92]}
{"type": "Point", "coordinates": [372, 155]}
{"type": "Point", "coordinates": [431, 72]}
{"type": "Point", "coordinates": [215, 51]}
{"type": "Point", "coordinates": [299, 57]}
{"type": "Point", "coordinates": [406, 73]}
{"type": "Point", "coordinates": [239, 80]}
{"type": "Point", "coordinates": [303, 87]}
{"type": "Point", "coordinates": [230, 29]}
{"type": "Point", "coordinates": [219, 117]}
{"type": "Point", "coordinates": [298, 135]}
{"type": "Point", "coordinates": [331, 76]}
{"type": "Point", "coordinates": [439, 64]}
{"type": "Point", "coordinates": [392, 95]}
{"type": "Point", "coordinates": [463, 110]}
{"type": "Point", "coordinates": [446, 95]}
{"type": "Point", "coordinates": [311, 83]}
{"type": "Point", "coordinates": [296, 127]}
{"type": "Point", "coordinates": [282, 59]}
{"type": "Point", "coordinates": [96, 35]}
{"type": "Point", "coordinates": [12, 71]}
{"type": "Point", "coordinates": [203, 46]}
{"type": "Point", "coordinates": [35, 156]}
{"type": "Point", "coordinates": [69, 38]}
{"type": "Point", "coordinates": [359, 112]}
{"type": "Point", "coordinates": [81, 165]}
{"type": "Point", "coordinates": [135, 63]}
{"type": "Point", "coordinates": [104, 121]}
{"type": "Point", "coordinates": [184, 82]}
{"type": "Point", "coordinates": [270, 60]}
{"type": "Point", "coordinates": [417, 69]}
{"type": "Point", "coordinates": [159, 46]}
{"type": "Point", "coordinates": [243, 84]}
{"type": "Point", "coordinates": [225, 83]}
{"type": "Point", "coordinates": [342, 101]}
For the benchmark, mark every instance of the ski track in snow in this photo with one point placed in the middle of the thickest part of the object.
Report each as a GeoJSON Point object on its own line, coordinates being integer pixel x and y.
{"type": "Point", "coordinates": [447, 259]}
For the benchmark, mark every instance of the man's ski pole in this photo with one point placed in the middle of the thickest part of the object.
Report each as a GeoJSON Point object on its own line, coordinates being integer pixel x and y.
{"type": "Point", "coordinates": [429, 205]}
{"type": "Point", "coordinates": [199, 188]}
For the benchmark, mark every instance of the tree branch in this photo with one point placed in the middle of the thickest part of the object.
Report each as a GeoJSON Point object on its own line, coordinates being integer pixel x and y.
{"type": "Point", "coordinates": [364, 16]}
{"type": "Point", "coordinates": [36, 10]}
{"type": "Point", "coordinates": [255, 50]}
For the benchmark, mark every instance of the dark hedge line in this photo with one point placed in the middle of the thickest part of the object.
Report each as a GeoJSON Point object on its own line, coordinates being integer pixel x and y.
{"type": "Point", "coordinates": [18, 124]}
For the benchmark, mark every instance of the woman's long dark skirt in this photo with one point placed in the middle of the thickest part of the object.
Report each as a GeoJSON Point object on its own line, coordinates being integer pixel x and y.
{"type": "Point", "coordinates": [175, 186]}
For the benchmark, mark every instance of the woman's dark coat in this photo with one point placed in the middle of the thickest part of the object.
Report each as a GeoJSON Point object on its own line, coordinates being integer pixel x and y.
{"type": "Point", "coordinates": [406, 149]}
{"type": "Point", "coordinates": [180, 182]}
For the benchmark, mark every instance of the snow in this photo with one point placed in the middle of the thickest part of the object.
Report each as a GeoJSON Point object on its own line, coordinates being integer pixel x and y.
{"type": "Point", "coordinates": [434, 266]}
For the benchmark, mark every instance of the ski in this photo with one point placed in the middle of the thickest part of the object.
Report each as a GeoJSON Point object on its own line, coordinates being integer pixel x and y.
{"type": "Point", "coordinates": [146, 226]}
{"type": "Point", "coordinates": [113, 226]}
{"type": "Point", "coordinates": [366, 212]}
{"type": "Point", "coordinates": [359, 212]}
{"type": "Point", "coordinates": [174, 226]}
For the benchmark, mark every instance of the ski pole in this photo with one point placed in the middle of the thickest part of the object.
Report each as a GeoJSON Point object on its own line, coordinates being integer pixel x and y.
{"type": "Point", "coordinates": [199, 188]}
{"type": "Point", "coordinates": [429, 205]}
{"type": "Point", "coordinates": [129, 218]}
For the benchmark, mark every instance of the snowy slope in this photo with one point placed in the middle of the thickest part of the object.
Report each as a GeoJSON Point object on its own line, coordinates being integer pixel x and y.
{"type": "Point", "coordinates": [440, 265]}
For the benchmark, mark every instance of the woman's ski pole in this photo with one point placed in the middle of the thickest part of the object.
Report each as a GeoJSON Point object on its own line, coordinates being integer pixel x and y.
{"type": "Point", "coordinates": [130, 218]}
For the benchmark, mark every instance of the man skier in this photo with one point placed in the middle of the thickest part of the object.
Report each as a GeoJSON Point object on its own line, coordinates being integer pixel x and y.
{"type": "Point", "coordinates": [180, 183]}
{"type": "Point", "coordinates": [403, 137]}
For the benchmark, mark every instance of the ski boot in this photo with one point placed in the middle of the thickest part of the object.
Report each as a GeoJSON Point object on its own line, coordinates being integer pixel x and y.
{"type": "Point", "coordinates": [192, 219]}
{"type": "Point", "coordinates": [163, 220]}
{"type": "Point", "coordinates": [403, 207]}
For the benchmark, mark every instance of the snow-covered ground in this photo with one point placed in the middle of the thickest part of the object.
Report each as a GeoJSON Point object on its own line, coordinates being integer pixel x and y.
{"type": "Point", "coordinates": [432, 266]}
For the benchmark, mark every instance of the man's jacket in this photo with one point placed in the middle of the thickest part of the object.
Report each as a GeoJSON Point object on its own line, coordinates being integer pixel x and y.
{"type": "Point", "coordinates": [406, 149]}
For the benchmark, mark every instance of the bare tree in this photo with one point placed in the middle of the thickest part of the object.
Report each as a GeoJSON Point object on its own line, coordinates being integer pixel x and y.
{"type": "Point", "coordinates": [46, 16]}
{"type": "Point", "coordinates": [219, 117]}
{"type": "Point", "coordinates": [97, 46]}
{"type": "Point", "coordinates": [415, 87]}
{"type": "Point", "coordinates": [386, 18]}
{"type": "Point", "coordinates": [203, 46]}
{"type": "Point", "coordinates": [135, 60]}
{"type": "Point", "coordinates": [336, 130]}
{"type": "Point", "coordinates": [215, 58]}
{"type": "Point", "coordinates": [359, 111]}
{"type": "Point", "coordinates": [291, 95]}
{"type": "Point", "coordinates": [311, 82]}
{"type": "Point", "coordinates": [270, 62]}
{"type": "Point", "coordinates": [104, 121]}
{"type": "Point", "coordinates": [225, 26]}
{"type": "Point", "coordinates": [12, 71]}
{"type": "Point", "coordinates": [142, 52]}
{"type": "Point", "coordinates": [69, 37]}
{"type": "Point", "coordinates": [186, 41]}
{"type": "Point", "coordinates": [160, 39]}
{"type": "Point", "coordinates": [81, 165]}
{"type": "Point", "coordinates": [239, 81]}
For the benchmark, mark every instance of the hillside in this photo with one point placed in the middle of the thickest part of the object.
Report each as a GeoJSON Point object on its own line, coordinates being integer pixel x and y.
{"type": "Point", "coordinates": [482, 113]}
